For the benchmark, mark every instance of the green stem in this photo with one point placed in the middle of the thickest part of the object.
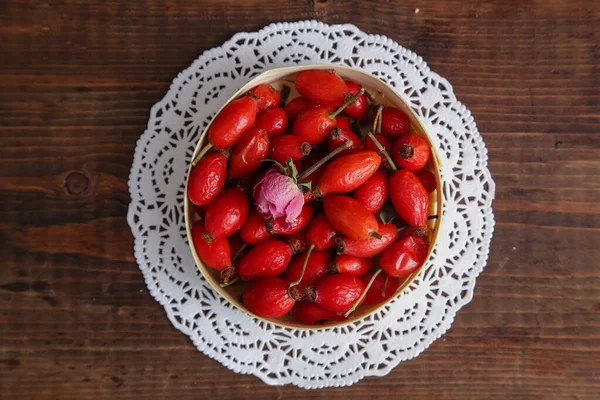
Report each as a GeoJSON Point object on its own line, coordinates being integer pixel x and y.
{"type": "Point", "coordinates": [364, 293]}
{"type": "Point", "coordinates": [376, 235]}
{"type": "Point", "coordinates": [383, 151]}
{"type": "Point", "coordinates": [297, 281]}
{"type": "Point", "coordinates": [323, 160]}
{"type": "Point", "coordinates": [239, 252]}
{"type": "Point", "coordinates": [201, 154]}
{"type": "Point", "coordinates": [387, 278]}
{"type": "Point", "coordinates": [347, 103]}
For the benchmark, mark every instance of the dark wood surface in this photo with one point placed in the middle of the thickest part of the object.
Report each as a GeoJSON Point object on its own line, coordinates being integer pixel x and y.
{"type": "Point", "coordinates": [77, 80]}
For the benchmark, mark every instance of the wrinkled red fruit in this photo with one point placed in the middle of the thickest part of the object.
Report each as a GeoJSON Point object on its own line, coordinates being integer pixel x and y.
{"type": "Point", "coordinates": [207, 178]}
{"type": "Point", "coordinates": [336, 293]}
{"type": "Point", "coordinates": [316, 268]}
{"type": "Point", "coordinates": [338, 137]}
{"type": "Point", "coordinates": [268, 258]}
{"type": "Point", "coordinates": [404, 257]}
{"type": "Point", "coordinates": [226, 214]}
{"type": "Point", "coordinates": [427, 179]}
{"type": "Point", "coordinates": [349, 217]}
{"type": "Point", "coordinates": [360, 107]}
{"type": "Point", "coordinates": [311, 314]}
{"type": "Point", "coordinates": [409, 197]}
{"type": "Point", "coordinates": [288, 146]}
{"type": "Point", "coordinates": [348, 172]}
{"type": "Point", "coordinates": [278, 226]}
{"type": "Point", "coordinates": [351, 265]}
{"type": "Point", "coordinates": [254, 230]}
{"type": "Point", "coordinates": [215, 255]}
{"type": "Point", "coordinates": [411, 152]}
{"type": "Point", "coordinates": [371, 247]}
{"type": "Point", "coordinates": [268, 97]}
{"type": "Point", "coordinates": [374, 192]}
{"type": "Point", "coordinates": [268, 297]}
{"type": "Point", "coordinates": [248, 153]}
{"type": "Point", "coordinates": [320, 233]}
{"type": "Point", "coordinates": [232, 122]}
{"type": "Point", "coordinates": [274, 121]}
{"type": "Point", "coordinates": [394, 122]}
{"type": "Point", "coordinates": [368, 144]}
{"type": "Point", "coordinates": [376, 293]}
{"type": "Point", "coordinates": [322, 87]}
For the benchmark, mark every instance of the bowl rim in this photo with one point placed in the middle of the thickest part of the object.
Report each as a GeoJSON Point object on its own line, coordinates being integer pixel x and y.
{"type": "Point", "coordinates": [439, 197]}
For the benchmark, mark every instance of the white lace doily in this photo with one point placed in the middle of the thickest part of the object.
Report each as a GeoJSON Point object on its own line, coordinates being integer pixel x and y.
{"type": "Point", "coordinates": [338, 356]}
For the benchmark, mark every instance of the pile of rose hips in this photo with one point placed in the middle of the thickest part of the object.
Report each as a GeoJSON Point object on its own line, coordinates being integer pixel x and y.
{"type": "Point", "coordinates": [300, 198]}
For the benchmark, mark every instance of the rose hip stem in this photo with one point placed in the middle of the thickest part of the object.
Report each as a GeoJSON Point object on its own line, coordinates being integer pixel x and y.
{"type": "Point", "coordinates": [297, 281]}
{"type": "Point", "coordinates": [384, 152]}
{"type": "Point", "coordinates": [347, 103]}
{"type": "Point", "coordinates": [347, 144]}
{"type": "Point", "coordinates": [364, 293]}
{"type": "Point", "coordinates": [387, 278]}
{"type": "Point", "coordinates": [201, 154]}
{"type": "Point", "coordinates": [377, 120]}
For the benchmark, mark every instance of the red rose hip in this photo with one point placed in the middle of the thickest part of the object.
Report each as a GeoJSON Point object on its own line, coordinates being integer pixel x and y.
{"type": "Point", "coordinates": [411, 152]}
{"type": "Point", "coordinates": [404, 257]}
{"type": "Point", "coordinates": [322, 86]}
{"type": "Point", "coordinates": [374, 192]}
{"type": "Point", "coordinates": [336, 293]}
{"type": "Point", "coordinates": [268, 258]}
{"type": "Point", "coordinates": [232, 122]}
{"type": "Point", "coordinates": [267, 97]}
{"type": "Point", "coordinates": [274, 122]}
{"type": "Point", "coordinates": [350, 218]}
{"type": "Point", "coordinates": [226, 214]}
{"type": "Point", "coordinates": [248, 153]}
{"type": "Point", "coordinates": [207, 178]}
{"type": "Point", "coordinates": [269, 297]}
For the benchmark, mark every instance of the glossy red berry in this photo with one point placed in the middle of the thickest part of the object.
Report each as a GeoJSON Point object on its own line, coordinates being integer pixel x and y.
{"type": "Point", "coordinates": [320, 233]}
{"type": "Point", "coordinates": [268, 97]}
{"type": "Point", "coordinates": [342, 122]}
{"type": "Point", "coordinates": [380, 291]}
{"type": "Point", "coordinates": [233, 122]}
{"type": "Point", "coordinates": [370, 247]}
{"type": "Point", "coordinates": [288, 146]}
{"type": "Point", "coordinates": [405, 256]}
{"type": "Point", "coordinates": [226, 214]}
{"type": "Point", "coordinates": [298, 241]}
{"type": "Point", "coordinates": [374, 192]}
{"type": "Point", "coordinates": [336, 293]}
{"type": "Point", "coordinates": [351, 265]}
{"type": "Point", "coordinates": [268, 297]}
{"type": "Point", "coordinates": [360, 108]}
{"type": "Point", "coordinates": [316, 268]}
{"type": "Point", "coordinates": [409, 197]}
{"type": "Point", "coordinates": [248, 153]}
{"type": "Point", "coordinates": [216, 254]}
{"type": "Point", "coordinates": [274, 121]}
{"type": "Point", "coordinates": [311, 314]}
{"type": "Point", "coordinates": [322, 87]}
{"type": "Point", "coordinates": [207, 178]}
{"type": "Point", "coordinates": [411, 152]}
{"type": "Point", "coordinates": [350, 217]}
{"type": "Point", "coordinates": [394, 122]}
{"type": "Point", "coordinates": [268, 258]}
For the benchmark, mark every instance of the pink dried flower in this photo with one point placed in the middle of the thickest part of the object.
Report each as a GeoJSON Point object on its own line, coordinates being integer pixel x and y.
{"type": "Point", "coordinates": [278, 195]}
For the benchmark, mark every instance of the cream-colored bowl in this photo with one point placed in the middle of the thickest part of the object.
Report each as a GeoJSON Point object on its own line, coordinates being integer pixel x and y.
{"type": "Point", "coordinates": [384, 94]}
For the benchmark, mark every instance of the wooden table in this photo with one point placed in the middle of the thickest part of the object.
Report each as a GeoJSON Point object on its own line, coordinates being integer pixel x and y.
{"type": "Point", "coordinates": [77, 82]}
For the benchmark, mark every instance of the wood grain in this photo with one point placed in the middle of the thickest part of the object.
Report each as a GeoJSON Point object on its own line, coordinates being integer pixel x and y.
{"type": "Point", "coordinates": [77, 80]}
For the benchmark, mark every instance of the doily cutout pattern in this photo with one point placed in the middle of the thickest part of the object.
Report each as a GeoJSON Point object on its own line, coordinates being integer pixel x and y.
{"type": "Point", "coordinates": [336, 356]}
